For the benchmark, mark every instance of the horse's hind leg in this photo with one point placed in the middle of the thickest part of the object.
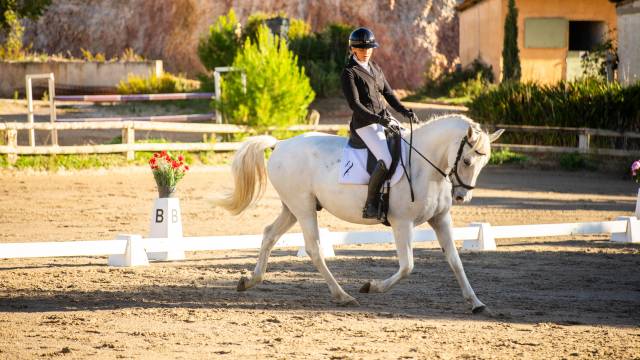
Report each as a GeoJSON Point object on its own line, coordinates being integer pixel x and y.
{"type": "Point", "coordinates": [309, 224]}
{"type": "Point", "coordinates": [403, 236]}
{"type": "Point", "coordinates": [271, 235]}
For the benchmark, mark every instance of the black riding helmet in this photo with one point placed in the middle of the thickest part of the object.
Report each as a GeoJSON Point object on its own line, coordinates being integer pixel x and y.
{"type": "Point", "coordinates": [362, 38]}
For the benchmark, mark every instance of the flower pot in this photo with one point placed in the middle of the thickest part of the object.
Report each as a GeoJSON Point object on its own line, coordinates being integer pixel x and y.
{"type": "Point", "coordinates": [166, 191]}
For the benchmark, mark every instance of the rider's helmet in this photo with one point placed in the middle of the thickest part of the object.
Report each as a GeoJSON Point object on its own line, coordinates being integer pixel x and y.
{"type": "Point", "coordinates": [362, 38]}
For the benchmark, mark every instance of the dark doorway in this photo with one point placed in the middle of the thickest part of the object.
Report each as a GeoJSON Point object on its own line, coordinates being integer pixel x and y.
{"type": "Point", "coordinates": [586, 35]}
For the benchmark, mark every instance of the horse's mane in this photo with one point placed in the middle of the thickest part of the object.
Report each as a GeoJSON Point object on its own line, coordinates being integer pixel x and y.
{"type": "Point", "coordinates": [460, 121]}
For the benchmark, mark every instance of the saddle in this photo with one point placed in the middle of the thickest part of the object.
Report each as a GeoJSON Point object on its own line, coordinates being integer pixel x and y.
{"type": "Point", "coordinates": [394, 143]}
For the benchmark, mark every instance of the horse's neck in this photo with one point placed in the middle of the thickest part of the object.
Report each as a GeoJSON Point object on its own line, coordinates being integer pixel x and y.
{"type": "Point", "coordinates": [434, 141]}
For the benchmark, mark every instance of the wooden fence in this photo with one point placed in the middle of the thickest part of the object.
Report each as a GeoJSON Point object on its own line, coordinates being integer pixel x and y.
{"type": "Point", "coordinates": [129, 146]}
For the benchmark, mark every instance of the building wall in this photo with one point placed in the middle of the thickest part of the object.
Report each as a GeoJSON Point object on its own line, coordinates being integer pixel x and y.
{"type": "Point", "coordinates": [629, 41]}
{"type": "Point", "coordinates": [481, 35]}
{"type": "Point", "coordinates": [549, 65]}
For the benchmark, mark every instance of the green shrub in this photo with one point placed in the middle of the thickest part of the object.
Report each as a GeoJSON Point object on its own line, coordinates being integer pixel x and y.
{"type": "Point", "coordinates": [166, 83]}
{"type": "Point", "coordinates": [323, 55]}
{"type": "Point", "coordinates": [589, 102]}
{"type": "Point", "coordinates": [130, 55]}
{"type": "Point", "coordinates": [88, 56]}
{"type": "Point", "coordinates": [277, 90]}
{"type": "Point", "coordinates": [506, 156]}
{"type": "Point", "coordinates": [31, 9]}
{"type": "Point", "coordinates": [220, 46]}
{"type": "Point", "coordinates": [468, 82]}
{"type": "Point", "coordinates": [12, 49]}
{"type": "Point", "coordinates": [298, 28]}
{"type": "Point", "coordinates": [575, 161]}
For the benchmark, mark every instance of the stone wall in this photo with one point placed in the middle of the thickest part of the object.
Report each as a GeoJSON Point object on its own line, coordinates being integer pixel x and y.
{"type": "Point", "coordinates": [72, 76]}
{"type": "Point", "coordinates": [412, 33]}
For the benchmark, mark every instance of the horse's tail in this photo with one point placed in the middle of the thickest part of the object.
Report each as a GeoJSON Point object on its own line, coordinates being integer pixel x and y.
{"type": "Point", "coordinates": [249, 175]}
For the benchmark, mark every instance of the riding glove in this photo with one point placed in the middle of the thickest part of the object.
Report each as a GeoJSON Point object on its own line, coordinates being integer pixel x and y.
{"type": "Point", "coordinates": [408, 113]}
{"type": "Point", "coordinates": [384, 120]}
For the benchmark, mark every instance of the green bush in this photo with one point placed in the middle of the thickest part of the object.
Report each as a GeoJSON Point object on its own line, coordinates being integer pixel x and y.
{"type": "Point", "coordinates": [277, 90]}
{"type": "Point", "coordinates": [323, 55]}
{"type": "Point", "coordinates": [506, 156]}
{"type": "Point", "coordinates": [298, 28]}
{"type": "Point", "coordinates": [589, 102]}
{"type": "Point", "coordinates": [575, 161]}
{"type": "Point", "coordinates": [468, 82]}
{"type": "Point", "coordinates": [12, 49]}
{"type": "Point", "coordinates": [220, 46]}
{"type": "Point", "coordinates": [31, 9]}
{"type": "Point", "coordinates": [166, 83]}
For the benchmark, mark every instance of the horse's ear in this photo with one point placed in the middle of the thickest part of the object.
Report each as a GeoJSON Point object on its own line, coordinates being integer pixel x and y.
{"type": "Point", "coordinates": [493, 137]}
{"type": "Point", "coordinates": [472, 135]}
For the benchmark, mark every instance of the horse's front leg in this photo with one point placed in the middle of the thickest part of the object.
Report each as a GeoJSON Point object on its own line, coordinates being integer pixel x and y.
{"type": "Point", "coordinates": [442, 225]}
{"type": "Point", "coordinates": [403, 236]}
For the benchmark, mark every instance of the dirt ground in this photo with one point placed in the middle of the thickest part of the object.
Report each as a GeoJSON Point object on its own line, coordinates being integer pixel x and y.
{"type": "Point", "coordinates": [554, 298]}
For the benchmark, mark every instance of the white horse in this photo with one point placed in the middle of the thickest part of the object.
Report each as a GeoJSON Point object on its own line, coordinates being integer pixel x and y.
{"type": "Point", "coordinates": [304, 170]}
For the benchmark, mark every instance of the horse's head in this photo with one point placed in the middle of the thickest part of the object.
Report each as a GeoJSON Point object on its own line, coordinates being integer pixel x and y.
{"type": "Point", "coordinates": [469, 157]}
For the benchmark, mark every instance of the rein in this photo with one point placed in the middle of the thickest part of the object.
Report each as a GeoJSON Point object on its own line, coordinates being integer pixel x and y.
{"type": "Point", "coordinates": [454, 170]}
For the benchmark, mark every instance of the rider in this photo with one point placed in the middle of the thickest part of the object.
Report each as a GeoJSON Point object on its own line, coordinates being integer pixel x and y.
{"type": "Point", "coordinates": [364, 86]}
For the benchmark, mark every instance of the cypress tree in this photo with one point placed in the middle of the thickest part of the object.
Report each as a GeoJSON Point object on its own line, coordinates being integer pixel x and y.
{"type": "Point", "coordinates": [510, 53]}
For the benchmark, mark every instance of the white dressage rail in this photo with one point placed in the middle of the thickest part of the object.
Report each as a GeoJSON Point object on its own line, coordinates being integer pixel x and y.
{"type": "Point", "coordinates": [478, 236]}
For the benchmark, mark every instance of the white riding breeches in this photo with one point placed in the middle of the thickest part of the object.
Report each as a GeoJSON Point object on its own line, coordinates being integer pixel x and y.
{"type": "Point", "coordinates": [373, 136]}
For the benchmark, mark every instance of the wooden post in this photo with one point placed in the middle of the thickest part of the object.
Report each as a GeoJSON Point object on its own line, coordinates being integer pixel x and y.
{"type": "Point", "coordinates": [583, 142]}
{"type": "Point", "coordinates": [129, 138]}
{"type": "Point", "coordinates": [32, 132]}
{"type": "Point", "coordinates": [12, 142]}
{"type": "Point", "coordinates": [218, 94]}
{"type": "Point", "coordinates": [52, 109]}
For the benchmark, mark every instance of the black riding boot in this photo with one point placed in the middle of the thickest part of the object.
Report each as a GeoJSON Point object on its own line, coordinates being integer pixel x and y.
{"type": "Point", "coordinates": [378, 176]}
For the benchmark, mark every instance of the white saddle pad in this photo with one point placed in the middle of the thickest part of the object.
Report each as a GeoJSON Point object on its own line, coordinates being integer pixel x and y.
{"type": "Point", "coordinates": [353, 166]}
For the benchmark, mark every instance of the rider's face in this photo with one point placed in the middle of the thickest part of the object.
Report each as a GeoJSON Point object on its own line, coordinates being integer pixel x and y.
{"type": "Point", "coordinates": [363, 55]}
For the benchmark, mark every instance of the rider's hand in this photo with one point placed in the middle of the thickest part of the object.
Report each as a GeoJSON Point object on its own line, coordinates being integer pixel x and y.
{"type": "Point", "coordinates": [384, 120]}
{"type": "Point", "coordinates": [395, 128]}
{"type": "Point", "coordinates": [408, 113]}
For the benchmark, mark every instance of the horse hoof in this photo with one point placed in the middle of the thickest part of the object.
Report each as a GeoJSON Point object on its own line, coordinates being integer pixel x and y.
{"type": "Point", "coordinates": [366, 288]}
{"type": "Point", "coordinates": [242, 284]}
{"type": "Point", "coordinates": [482, 310]}
{"type": "Point", "coordinates": [348, 302]}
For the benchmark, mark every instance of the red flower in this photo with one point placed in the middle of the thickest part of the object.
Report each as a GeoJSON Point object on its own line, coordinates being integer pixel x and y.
{"type": "Point", "coordinates": [152, 161]}
{"type": "Point", "coordinates": [186, 167]}
{"type": "Point", "coordinates": [180, 158]}
{"type": "Point", "coordinates": [168, 158]}
{"type": "Point", "coordinates": [163, 152]}
{"type": "Point", "coordinates": [175, 164]}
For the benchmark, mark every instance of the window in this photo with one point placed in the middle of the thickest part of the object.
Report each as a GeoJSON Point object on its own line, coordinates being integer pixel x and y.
{"type": "Point", "coordinates": [545, 32]}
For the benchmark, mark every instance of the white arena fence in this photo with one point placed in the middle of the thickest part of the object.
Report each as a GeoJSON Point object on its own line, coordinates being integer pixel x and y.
{"type": "Point", "coordinates": [478, 236]}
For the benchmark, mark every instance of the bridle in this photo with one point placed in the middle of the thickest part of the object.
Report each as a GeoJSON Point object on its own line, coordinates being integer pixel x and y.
{"type": "Point", "coordinates": [454, 170]}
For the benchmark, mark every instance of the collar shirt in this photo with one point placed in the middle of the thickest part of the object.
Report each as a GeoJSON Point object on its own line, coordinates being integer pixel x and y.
{"type": "Point", "coordinates": [365, 64]}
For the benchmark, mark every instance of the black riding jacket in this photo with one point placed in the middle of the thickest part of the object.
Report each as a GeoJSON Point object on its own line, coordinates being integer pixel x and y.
{"type": "Point", "coordinates": [365, 92]}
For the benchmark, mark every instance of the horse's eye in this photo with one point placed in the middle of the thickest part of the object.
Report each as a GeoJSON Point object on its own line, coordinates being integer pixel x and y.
{"type": "Point", "coordinates": [467, 162]}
